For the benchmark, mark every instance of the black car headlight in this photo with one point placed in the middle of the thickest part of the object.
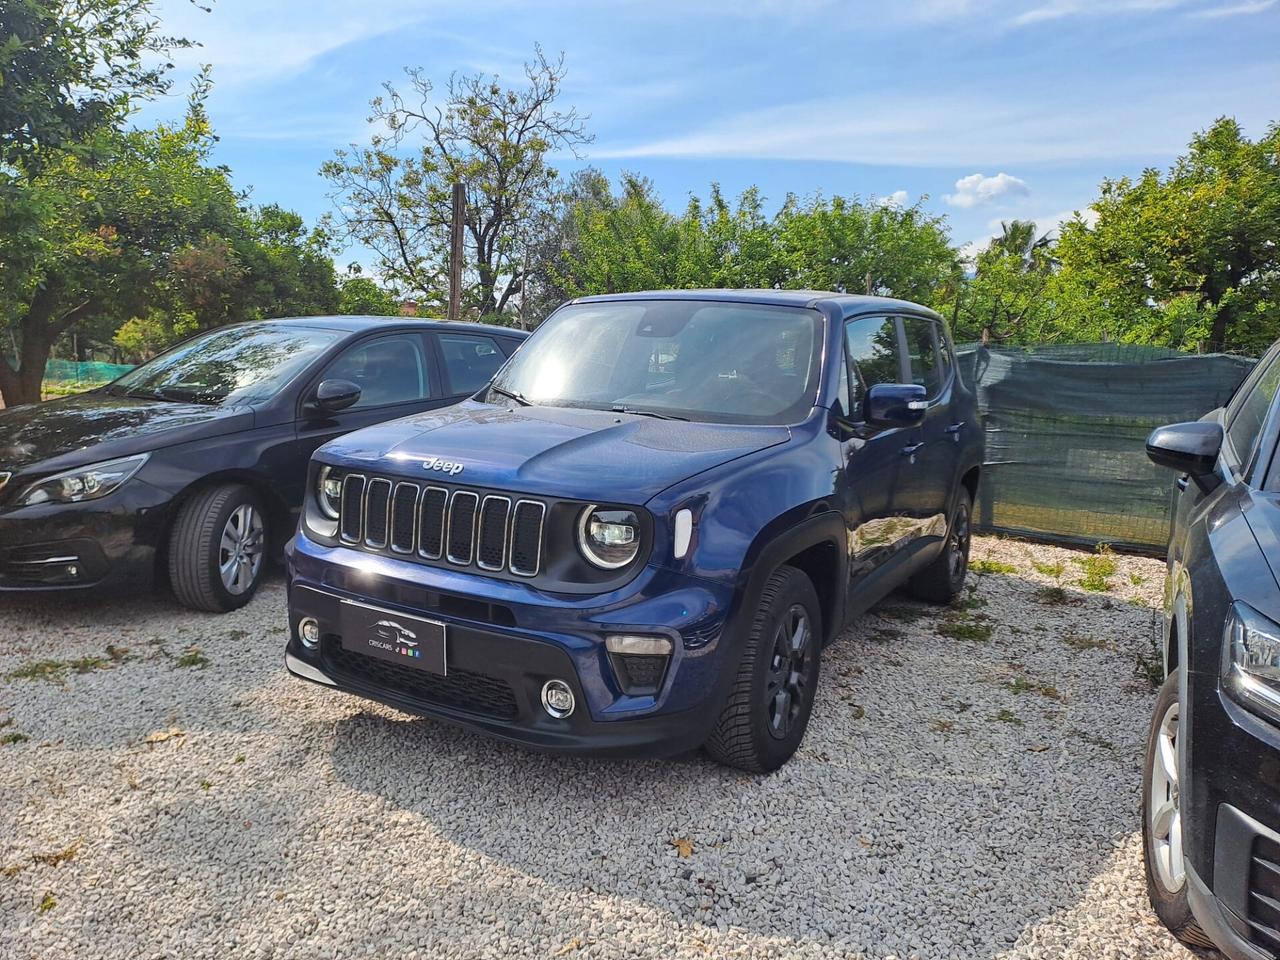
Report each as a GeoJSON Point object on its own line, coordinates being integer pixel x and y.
{"type": "Point", "coordinates": [83, 483]}
{"type": "Point", "coordinates": [1251, 660]}
{"type": "Point", "coordinates": [329, 492]}
{"type": "Point", "coordinates": [608, 538]}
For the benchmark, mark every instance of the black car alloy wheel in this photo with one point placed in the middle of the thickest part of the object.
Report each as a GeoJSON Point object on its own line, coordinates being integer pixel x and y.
{"type": "Point", "coordinates": [786, 689]}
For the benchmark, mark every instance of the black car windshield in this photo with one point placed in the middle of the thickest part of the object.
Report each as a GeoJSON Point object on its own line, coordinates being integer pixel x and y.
{"type": "Point", "coordinates": [240, 364]}
{"type": "Point", "coordinates": [685, 359]}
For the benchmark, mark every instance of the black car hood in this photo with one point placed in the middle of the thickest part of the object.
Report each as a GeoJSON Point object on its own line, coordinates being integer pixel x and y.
{"type": "Point", "coordinates": [90, 427]}
{"type": "Point", "coordinates": [557, 451]}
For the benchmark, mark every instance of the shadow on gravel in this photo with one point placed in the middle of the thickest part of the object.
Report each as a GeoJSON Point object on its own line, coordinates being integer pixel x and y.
{"type": "Point", "coordinates": [950, 796]}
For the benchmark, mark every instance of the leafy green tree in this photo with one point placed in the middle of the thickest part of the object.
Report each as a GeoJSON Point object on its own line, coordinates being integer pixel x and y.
{"type": "Point", "coordinates": [495, 141]}
{"type": "Point", "coordinates": [361, 297]}
{"type": "Point", "coordinates": [1188, 258]}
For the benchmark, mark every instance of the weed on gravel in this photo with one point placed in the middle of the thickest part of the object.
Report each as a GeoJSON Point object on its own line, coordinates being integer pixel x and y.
{"type": "Point", "coordinates": [991, 566]}
{"type": "Point", "coordinates": [1019, 685]}
{"type": "Point", "coordinates": [192, 658]}
{"type": "Point", "coordinates": [963, 628]}
{"type": "Point", "coordinates": [1054, 570]}
{"type": "Point", "coordinates": [1098, 570]}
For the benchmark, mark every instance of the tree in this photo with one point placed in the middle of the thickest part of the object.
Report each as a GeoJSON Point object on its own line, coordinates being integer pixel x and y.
{"type": "Point", "coordinates": [70, 69]}
{"type": "Point", "coordinates": [850, 246]}
{"type": "Point", "coordinates": [495, 141]}
{"type": "Point", "coordinates": [361, 297]}
{"type": "Point", "coordinates": [1188, 258]}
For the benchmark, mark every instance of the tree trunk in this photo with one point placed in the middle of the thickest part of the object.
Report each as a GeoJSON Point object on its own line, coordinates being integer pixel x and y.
{"type": "Point", "coordinates": [23, 384]}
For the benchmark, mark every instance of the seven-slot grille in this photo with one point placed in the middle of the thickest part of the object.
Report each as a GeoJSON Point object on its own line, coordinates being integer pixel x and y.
{"type": "Point", "coordinates": [465, 528]}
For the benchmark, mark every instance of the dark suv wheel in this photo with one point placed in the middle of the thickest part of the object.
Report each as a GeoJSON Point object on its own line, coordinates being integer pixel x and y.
{"type": "Point", "coordinates": [769, 703]}
{"type": "Point", "coordinates": [942, 580]}
{"type": "Point", "coordinates": [218, 548]}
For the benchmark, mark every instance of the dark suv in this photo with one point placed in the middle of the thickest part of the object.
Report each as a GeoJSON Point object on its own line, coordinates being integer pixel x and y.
{"type": "Point", "coordinates": [640, 536]}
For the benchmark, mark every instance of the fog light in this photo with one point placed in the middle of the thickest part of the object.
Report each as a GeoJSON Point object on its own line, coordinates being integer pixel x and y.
{"type": "Point", "coordinates": [557, 699]}
{"type": "Point", "coordinates": [641, 646]}
{"type": "Point", "coordinates": [309, 631]}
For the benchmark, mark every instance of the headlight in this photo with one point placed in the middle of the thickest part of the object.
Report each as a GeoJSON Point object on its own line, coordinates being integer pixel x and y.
{"type": "Point", "coordinates": [609, 539]}
{"type": "Point", "coordinates": [82, 483]}
{"type": "Point", "coordinates": [329, 492]}
{"type": "Point", "coordinates": [1251, 660]}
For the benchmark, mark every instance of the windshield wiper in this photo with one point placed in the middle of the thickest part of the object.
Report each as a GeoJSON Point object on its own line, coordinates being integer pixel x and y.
{"type": "Point", "coordinates": [515, 395]}
{"type": "Point", "coordinates": [623, 408]}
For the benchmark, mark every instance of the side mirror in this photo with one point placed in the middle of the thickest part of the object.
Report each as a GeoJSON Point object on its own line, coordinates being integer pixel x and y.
{"type": "Point", "coordinates": [1190, 448]}
{"type": "Point", "coordinates": [333, 396]}
{"type": "Point", "coordinates": [895, 404]}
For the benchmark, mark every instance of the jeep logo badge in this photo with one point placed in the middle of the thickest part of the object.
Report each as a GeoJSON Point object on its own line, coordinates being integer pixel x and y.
{"type": "Point", "coordinates": [444, 466]}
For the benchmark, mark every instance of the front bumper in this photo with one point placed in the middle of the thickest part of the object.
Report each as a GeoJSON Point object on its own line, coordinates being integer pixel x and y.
{"type": "Point", "coordinates": [505, 640]}
{"type": "Point", "coordinates": [98, 543]}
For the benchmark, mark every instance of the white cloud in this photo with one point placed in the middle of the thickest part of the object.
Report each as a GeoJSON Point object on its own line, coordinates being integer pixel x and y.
{"type": "Point", "coordinates": [896, 199]}
{"type": "Point", "coordinates": [977, 190]}
{"type": "Point", "coordinates": [1234, 10]}
{"type": "Point", "coordinates": [1057, 9]}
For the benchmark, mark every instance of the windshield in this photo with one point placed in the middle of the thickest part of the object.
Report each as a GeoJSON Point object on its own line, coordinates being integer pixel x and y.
{"type": "Point", "coordinates": [231, 365]}
{"type": "Point", "coordinates": [686, 359]}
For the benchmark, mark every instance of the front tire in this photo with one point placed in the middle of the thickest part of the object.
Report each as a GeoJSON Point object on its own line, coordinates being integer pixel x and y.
{"type": "Point", "coordinates": [1162, 829]}
{"type": "Point", "coordinates": [767, 712]}
{"type": "Point", "coordinates": [218, 548]}
{"type": "Point", "coordinates": [943, 579]}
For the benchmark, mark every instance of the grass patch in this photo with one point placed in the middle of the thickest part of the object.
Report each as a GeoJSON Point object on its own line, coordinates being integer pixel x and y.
{"type": "Point", "coordinates": [1077, 641]}
{"type": "Point", "coordinates": [1020, 685]}
{"type": "Point", "coordinates": [943, 726]}
{"type": "Point", "coordinates": [1098, 570]}
{"type": "Point", "coordinates": [47, 902]}
{"type": "Point", "coordinates": [1137, 579]}
{"type": "Point", "coordinates": [54, 671]}
{"type": "Point", "coordinates": [58, 857]}
{"type": "Point", "coordinates": [1054, 570]}
{"type": "Point", "coordinates": [1054, 597]}
{"type": "Point", "coordinates": [13, 737]}
{"type": "Point", "coordinates": [1007, 716]}
{"type": "Point", "coordinates": [972, 631]}
{"type": "Point", "coordinates": [1093, 741]}
{"type": "Point", "coordinates": [991, 566]}
{"type": "Point", "coordinates": [239, 758]}
{"type": "Point", "coordinates": [192, 658]}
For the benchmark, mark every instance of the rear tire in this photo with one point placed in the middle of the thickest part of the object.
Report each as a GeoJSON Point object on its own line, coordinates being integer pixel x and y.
{"type": "Point", "coordinates": [1162, 829]}
{"type": "Point", "coordinates": [218, 548]}
{"type": "Point", "coordinates": [767, 713]}
{"type": "Point", "coordinates": [943, 579]}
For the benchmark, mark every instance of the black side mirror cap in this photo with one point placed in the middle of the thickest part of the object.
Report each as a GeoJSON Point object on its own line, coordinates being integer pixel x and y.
{"type": "Point", "coordinates": [333, 396]}
{"type": "Point", "coordinates": [895, 404]}
{"type": "Point", "coordinates": [1190, 448]}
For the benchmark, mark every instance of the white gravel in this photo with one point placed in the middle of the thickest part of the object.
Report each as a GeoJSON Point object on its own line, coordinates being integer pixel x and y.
{"type": "Point", "coordinates": [938, 807]}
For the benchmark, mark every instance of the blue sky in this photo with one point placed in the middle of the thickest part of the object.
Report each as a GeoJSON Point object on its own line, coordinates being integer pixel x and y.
{"type": "Point", "coordinates": [992, 110]}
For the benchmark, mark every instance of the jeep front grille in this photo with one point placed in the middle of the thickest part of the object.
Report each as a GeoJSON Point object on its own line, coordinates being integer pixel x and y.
{"type": "Point", "coordinates": [461, 527]}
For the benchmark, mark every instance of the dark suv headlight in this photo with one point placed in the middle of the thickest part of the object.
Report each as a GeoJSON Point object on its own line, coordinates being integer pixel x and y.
{"type": "Point", "coordinates": [608, 538]}
{"type": "Point", "coordinates": [1251, 660]}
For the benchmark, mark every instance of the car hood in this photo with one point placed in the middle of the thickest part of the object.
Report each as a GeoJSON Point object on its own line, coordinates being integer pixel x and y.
{"type": "Point", "coordinates": [90, 427]}
{"type": "Point", "coordinates": [554, 451]}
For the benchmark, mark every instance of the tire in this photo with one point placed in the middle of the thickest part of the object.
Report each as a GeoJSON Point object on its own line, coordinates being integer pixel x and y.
{"type": "Point", "coordinates": [1162, 848]}
{"type": "Point", "coordinates": [943, 579]}
{"type": "Point", "coordinates": [767, 712]}
{"type": "Point", "coordinates": [205, 536]}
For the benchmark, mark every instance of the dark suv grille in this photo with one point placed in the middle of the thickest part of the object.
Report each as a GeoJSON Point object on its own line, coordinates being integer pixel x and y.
{"type": "Point", "coordinates": [461, 689]}
{"type": "Point", "coordinates": [1264, 894]}
{"type": "Point", "coordinates": [462, 527]}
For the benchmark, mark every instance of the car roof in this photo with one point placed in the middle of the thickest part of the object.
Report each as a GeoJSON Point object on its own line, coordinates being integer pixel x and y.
{"type": "Point", "coordinates": [847, 304]}
{"type": "Point", "coordinates": [356, 324]}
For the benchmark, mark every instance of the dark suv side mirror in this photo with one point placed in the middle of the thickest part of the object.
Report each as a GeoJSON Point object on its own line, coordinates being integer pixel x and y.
{"type": "Point", "coordinates": [333, 396]}
{"type": "Point", "coordinates": [1190, 448]}
{"type": "Point", "coordinates": [895, 404]}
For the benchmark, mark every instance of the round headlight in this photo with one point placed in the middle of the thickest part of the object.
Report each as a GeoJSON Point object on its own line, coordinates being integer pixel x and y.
{"type": "Point", "coordinates": [329, 492]}
{"type": "Point", "coordinates": [609, 539]}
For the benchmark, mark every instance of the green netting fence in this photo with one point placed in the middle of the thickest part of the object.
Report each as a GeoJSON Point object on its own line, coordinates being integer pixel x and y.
{"type": "Point", "coordinates": [1065, 427]}
{"type": "Point", "coordinates": [61, 375]}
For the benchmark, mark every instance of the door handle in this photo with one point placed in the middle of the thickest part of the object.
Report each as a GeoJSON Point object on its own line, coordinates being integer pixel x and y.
{"type": "Point", "coordinates": [1182, 481]}
{"type": "Point", "coordinates": [954, 430]}
{"type": "Point", "coordinates": [911, 449]}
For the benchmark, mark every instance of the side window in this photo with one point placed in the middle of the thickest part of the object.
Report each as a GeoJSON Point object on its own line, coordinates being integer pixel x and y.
{"type": "Point", "coordinates": [871, 349]}
{"type": "Point", "coordinates": [387, 370]}
{"type": "Point", "coordinates": [470, 360]}
{"type": "Point", "coordinates": [922, 347]}
{"type": "Point", "coordinates": [1250, 411]}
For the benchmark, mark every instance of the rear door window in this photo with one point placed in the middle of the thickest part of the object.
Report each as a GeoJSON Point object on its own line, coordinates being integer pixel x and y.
{"type": "Point", "coordinates": [470, 361]}
{"type": "Point", "coordinates": [927, 365]}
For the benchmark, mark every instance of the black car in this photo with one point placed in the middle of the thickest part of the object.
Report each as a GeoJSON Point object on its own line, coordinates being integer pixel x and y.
{"type": "Point", "coordinates": [640, 536]}
{"type": "Point", "coordinates": [191, 467]}
{"type": "Point", "coordinates": [1211, 798]}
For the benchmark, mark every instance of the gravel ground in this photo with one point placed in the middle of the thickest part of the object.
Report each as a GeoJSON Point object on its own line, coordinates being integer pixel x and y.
{"type": "Point", "coordinates": [968, 788]}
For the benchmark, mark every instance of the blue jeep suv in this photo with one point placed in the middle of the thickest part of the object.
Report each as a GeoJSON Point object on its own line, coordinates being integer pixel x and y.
{"type": "Point", "coordinates": [638, 538]}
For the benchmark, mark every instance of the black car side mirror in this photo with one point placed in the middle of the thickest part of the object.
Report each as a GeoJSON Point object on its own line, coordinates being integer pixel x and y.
{"type": "Point", "coordinates": [1190, 448]}
{"type": "Point", "coordinates": [895, 404]}
{"type": "Point", "coordinates": [333, 396]}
